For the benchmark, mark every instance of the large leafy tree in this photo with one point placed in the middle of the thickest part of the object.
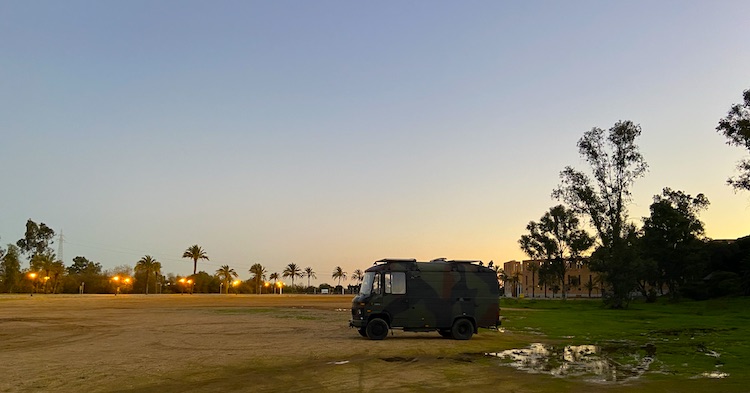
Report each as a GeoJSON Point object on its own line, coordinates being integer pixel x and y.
{"type": "Point", "coordinates": [225, 274]}
{"type": "Point", "coordinates": [81, 265]}
{"type": "Point", "coordinates": [86, 273]}
{"type": "Point", "coordinates": [195, 252]}
{"type": "Point", "coordinates": [37, 239]}
{"type": "Point", "coordinates": [147, 265]}
{"type": "Point", "coordinates": [615, 163]}
{"type": "Point", "coordinates": [292, 270]}
{"type": "Point", "coordinates": [736, 127]}
{"type": "Point", "coordinates": [558, 239]}
{"type": "Point", "coordinates": [10, 268]}
{"type": "Point", "coordinates": [259, 275]}
{"type": "Point", "coordinates": [672, 236]}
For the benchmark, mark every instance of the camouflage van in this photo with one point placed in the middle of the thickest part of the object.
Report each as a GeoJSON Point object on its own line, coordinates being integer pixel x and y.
{"type": "Point", "coordinates": [454, 298]}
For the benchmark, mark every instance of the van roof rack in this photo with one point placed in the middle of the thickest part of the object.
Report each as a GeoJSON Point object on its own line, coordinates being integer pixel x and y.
{"type": "Point", "coordinates": [387, 260]}
{"type": "Point", "coordinates": [464, 261]}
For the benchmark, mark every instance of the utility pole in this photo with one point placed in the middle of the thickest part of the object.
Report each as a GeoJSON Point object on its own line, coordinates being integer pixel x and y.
{"type": "Point", "coordinates": [60, 247]}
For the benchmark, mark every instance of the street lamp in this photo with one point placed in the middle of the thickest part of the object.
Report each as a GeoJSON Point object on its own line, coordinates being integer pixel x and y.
{"type": "Point", "coordinates": [266, 284]}
{"type": "Point", "coordinates": [32, 277]}
{"type": "Point", "coordinates": [116, 279]}
{"type": "Point", "coordinates": [235, 283]}
{"type": "Point", "coordinates": [281, 287]}
{"type": "Point", "coordinates": [190, 285]}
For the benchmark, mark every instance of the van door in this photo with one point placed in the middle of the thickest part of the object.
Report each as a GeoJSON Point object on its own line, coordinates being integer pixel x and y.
{"type": "Point", "coordinates": [394, 288]}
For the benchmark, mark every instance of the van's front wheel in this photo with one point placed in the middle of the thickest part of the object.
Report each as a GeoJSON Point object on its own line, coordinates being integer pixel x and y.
{"type": "Point", "coordinates": [462, 329]}
{"type": "Point", "coordinates": [377, 329]}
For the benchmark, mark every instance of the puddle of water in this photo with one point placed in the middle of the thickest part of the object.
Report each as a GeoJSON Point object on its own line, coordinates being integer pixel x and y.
{"type": "Point", "coordinates": [339, 362]}
{"type": "Point", "coordinates": [586, 361]}
{"type": "Point", "coordinates": [399, 359]}
{"type": "Point", "coordinates": [713, 375]}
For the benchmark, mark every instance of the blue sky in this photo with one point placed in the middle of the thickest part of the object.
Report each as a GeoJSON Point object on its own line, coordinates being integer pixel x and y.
{"type": "Point", "coordinates": [335, 133]}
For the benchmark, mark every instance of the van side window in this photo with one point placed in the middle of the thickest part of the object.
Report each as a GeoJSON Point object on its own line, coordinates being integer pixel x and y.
{"type": "Point", "coordinates": [395, 283]}
{"type": "Point", "coordinates": [376, 284]}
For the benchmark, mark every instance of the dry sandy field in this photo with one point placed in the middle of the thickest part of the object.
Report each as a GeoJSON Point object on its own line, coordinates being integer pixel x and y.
{"type": "Point", "coordinates": [237, 343]}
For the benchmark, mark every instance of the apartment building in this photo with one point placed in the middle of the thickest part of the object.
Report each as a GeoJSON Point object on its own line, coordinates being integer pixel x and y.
{"type": "Point", "coordinates": [522, 280]}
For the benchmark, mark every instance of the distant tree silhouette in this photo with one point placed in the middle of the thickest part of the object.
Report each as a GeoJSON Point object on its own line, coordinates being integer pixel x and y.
{"type": "Point", "coordinates": [148, 265]}
{"type": "Point", "coordinates": [259, 275]}
{"type": "Point", "coordinates": [615, 163]}
{"type": "Point", "coordinates": [195, 252]}
{"type": "Point", "coordinates": [309, 273]}
{"type": "Point", "coordinates": [225, 274]}
{"type": "Point", "coordinates": [736, 127]}
{"type": "Point", "coordinates": [557, 239]}
{"type": "Point", "coordinates": [339, 273]}
{"type": "Point", "coordinates": [292, 270]}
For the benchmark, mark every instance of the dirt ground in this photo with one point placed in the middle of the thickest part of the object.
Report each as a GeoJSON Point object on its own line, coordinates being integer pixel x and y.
{"type": "Point", "coordinates": [234, 343]}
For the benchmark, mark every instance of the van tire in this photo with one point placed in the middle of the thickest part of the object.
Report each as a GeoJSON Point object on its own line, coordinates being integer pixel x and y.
{"type": "Point", "coordinates": [462, 329]}
{"type": "Point", "coordinates": [377, 329]}
{"type": "Point", "coordinates": [445, 333]}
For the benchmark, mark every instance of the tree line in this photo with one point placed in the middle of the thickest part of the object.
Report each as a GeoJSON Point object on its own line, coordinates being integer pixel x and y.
{"type": "Point", "coordinates": [46, 274]}
{"type": "Point", "coordinates": [668, 254]}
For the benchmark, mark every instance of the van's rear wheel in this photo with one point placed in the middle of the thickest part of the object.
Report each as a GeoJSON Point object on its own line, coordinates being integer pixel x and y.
{"type": "Point", "coordinates": [462, 329]}
{"type": "Point", "coordinates": [377, 329]}
{"type": "Point", "coordinates": [446, 333]}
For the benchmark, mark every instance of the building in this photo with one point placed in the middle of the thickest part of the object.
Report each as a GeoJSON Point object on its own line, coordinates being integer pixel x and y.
{"type": "Point", "coordinates": [521, 279]}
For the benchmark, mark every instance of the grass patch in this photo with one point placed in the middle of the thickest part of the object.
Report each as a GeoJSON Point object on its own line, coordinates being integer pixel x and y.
{"type": "Point", "coordinates": [687, 339]}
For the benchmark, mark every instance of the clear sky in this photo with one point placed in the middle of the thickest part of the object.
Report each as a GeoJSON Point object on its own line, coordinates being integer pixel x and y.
{"type": "Point", "coordinates": [335, 133]}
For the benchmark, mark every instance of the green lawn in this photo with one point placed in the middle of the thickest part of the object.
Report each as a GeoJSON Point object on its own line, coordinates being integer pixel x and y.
{"type": "Point", "coordinates": [681, 341]}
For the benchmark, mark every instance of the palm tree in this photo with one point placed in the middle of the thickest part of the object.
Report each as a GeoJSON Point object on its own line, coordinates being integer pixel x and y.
{"type": "Point", "coordinates": [309, 273]}
{"type": "Point", "coordinates": [147, 265]}
{"type": "Point", "coordinates": [44, 263]}
{"type": "Point", "coordinates": [225, 274]}
{"type": "Point", "coordinates": [533, 268]}
{"type": "Point", "coordinates": [591, 285]}
{"type": "Point", "coordinates": [57, 271]}
{"type": "Point", "coordinates": [259, 274]}
{"type": "Point", "coordinates": [358, 275]}
{"type": "Point", "coordinates": [157, 273]}
{"type": "Point", "coordinates": [195, 252]}
{"type": "Point", "coordinates": [274, 276]}
{"type": "Point", "coordinates": [339, 274]}
{"type": "Point", "coordinates": [292, 270]}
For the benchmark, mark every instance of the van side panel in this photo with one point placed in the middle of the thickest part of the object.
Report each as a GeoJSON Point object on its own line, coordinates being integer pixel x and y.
{"type": "Point", "coordinates": [439, 292]}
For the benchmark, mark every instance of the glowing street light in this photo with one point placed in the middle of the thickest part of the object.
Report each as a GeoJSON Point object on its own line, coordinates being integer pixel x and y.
{"type": "Point", "coordinates": [266, 284]}
{"type": "Point", "coordinates": [32, 277]}
{"type": "Point", "coordinates": [281, 287]}
{"type": "Point", "coordinates": [119, 282]}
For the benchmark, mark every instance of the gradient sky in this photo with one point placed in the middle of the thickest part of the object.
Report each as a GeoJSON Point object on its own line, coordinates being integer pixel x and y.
{"type": "Point", "coordinates": [335, 133]}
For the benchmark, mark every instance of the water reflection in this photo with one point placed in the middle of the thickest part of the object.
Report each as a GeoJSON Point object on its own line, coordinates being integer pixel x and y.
{"type": "Point", "coordinates": [714, 375]}
{"type": "Point", "coordinates": [574, 361]}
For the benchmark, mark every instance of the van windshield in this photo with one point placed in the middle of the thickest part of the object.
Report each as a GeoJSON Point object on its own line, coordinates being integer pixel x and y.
{"type": "Point", "coordinates": [367, 281]}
